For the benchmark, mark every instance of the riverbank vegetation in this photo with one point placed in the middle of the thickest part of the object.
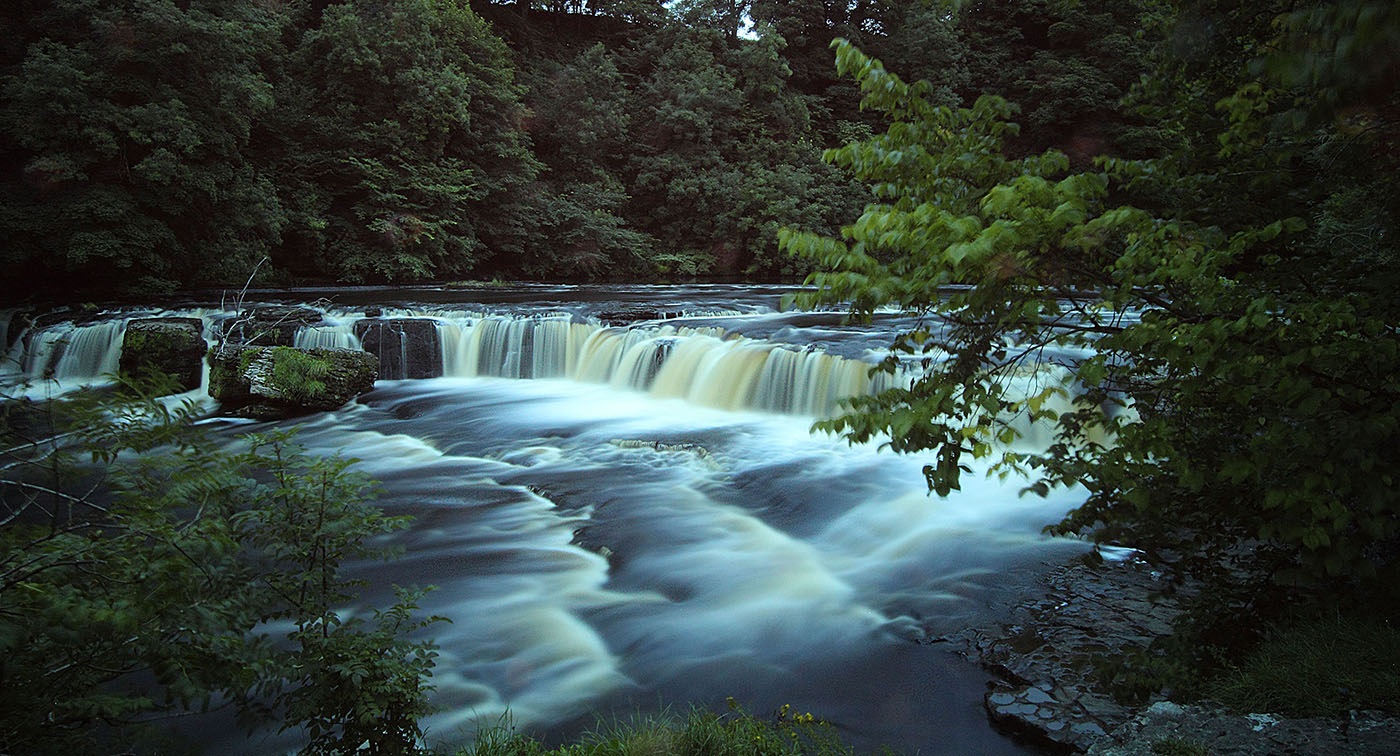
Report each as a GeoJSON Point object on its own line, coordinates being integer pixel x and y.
{"type": "Point", "coordinates": [1227, 394]}
{"type": "Point", "coordinates": [699, 733]}
{"type": "Point", "coordinates": [1186, 207]}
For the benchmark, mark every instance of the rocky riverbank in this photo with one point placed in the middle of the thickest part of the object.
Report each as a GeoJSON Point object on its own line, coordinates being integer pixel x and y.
{"type": "Point", "coordinates": [1047, 649]}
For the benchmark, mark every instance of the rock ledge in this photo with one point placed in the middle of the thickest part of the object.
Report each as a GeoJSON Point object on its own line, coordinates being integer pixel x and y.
{"type": "Point", "coordinates": [1046, 651]}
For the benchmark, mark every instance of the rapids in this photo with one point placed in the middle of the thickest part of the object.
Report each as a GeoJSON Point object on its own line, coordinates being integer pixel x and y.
{"type": "Point", "coordinates": [624, 518]}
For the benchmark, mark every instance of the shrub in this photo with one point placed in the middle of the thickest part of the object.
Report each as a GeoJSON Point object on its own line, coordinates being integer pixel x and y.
{"type": "Point", "coordinates": [1226, 387]}
{"type": "Point", "coordinates": [139, 562]}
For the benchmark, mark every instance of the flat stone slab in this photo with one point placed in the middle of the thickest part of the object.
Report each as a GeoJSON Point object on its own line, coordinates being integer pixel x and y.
{"type": "Point", "coordinates": [1218, 732]}
{"type": "Point", "coordinates": [1045, 650]}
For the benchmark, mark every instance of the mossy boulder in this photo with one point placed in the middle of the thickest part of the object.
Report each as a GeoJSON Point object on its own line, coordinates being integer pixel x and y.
{"type": "Point", "coordinates": [173, 346]}
{"type": "Point", "coordinates": [405, 347]}
{"type": "Point", "coordinates": [226, 368]}
{"type": "Point", "coordinates": [275, 382]}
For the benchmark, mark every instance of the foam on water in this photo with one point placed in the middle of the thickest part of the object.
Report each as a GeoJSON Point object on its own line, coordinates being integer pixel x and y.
{"type": "Point", "coordinates": [620, 516]}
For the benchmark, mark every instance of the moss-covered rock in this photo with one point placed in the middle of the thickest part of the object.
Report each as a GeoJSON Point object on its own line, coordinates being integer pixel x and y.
{"type": "Point", "coordinates": [174, 346]}
{"type": "Point", "coordinates": [226, 369]}
{"type": "Point", "coordinates": [274, 382]}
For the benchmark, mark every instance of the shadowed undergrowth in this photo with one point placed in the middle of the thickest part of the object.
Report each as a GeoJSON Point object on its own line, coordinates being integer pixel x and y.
{"type": "Point", "coordinates": [1324, 667]}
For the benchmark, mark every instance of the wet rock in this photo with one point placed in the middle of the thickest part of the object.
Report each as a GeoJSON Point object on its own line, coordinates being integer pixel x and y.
{"type": "Point", "coordinates": [1046, 649]}
{"type": "Point", "coordinates": [76, 314]}
{"type": "Point", "coordinates": [173, 346]}
{"type": "Point", "coordinates": [701, 453]}
{"type": "Point", "coordinates": [630, 315]}
{"type": "Point", "coordinates": [274, 382]}
{"type": "Point", "coordinates": [227, 383]}
{"type": "Point", "coordinates": [13, 324]}
{"type": "Point", "coordinates": [1056, 718]}
{"type": "Point", "coordinates": [632, 443]}
{"type": "Point", "coordinates": [271, 325]}
{"type": "Point", "coordinates": [1170, 728]}
{"type": "Point", "coordinates": [405, 347]}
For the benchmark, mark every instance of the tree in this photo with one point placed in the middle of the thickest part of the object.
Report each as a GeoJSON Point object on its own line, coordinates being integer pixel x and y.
{"type": "Point", "coordinates": [581, 118]}
{"type": "Point", "coordinates": [723, 151]}
{"type": "Point", "coordinates": [726, 16]}
{"type": "Point", "coordinates": [1066, 64]}
{"type": "Point", "coordinates": [127, 125]}
{"type": "Point", "coordinates": [922, 36]}
{"type": "Point", "coordinates": [1255, 381]}
{"type": "Point", "coordinates": [405, 158]}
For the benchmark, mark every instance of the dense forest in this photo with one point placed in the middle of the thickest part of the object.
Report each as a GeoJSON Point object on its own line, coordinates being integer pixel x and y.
{"type": "Point", "coordinates": [1195, 200]}
{"type": "Point", "coordinates": [370, 141]}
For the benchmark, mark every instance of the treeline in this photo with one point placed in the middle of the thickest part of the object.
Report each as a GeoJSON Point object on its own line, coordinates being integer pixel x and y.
{"type": "Point", "coordinates": [150, 145]}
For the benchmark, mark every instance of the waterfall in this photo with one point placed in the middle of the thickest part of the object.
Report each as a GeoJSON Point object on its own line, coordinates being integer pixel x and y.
{"type": "Point", "coordinates": [641, 362]}
{"type": "Point", "coordinates": [811, 382]}
{"type": "Point", "coordinates": [548, 347]}
{"type": "Point", "coordinates": [92, 351]}
{"type": "Point", "coordinates": [70, 354]}
{"type": "Point", "coordinates": [712, 372]}
{"type": "Point", "coordinates": [704, 365]}
{"type": "Point", "coordinates": [601, 354]}
{"type": "Point", "coordinates": [337, 335]}
{"type": "Point", "coordinates": [701, 365]}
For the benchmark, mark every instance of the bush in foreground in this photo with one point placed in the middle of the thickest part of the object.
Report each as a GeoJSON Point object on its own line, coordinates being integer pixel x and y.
{"type": "Point", "coordinates": [143, 567]}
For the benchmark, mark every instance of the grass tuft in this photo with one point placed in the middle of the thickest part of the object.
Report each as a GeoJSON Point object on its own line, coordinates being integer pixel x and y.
{"type": "Point", "coordinates": [700, 733]}
{"type": "Point", "coordinates": [1318, 668]}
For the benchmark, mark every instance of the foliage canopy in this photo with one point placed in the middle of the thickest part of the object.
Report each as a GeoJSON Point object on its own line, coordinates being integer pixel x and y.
{"type": "Point", "coordinates": [1220, 377]}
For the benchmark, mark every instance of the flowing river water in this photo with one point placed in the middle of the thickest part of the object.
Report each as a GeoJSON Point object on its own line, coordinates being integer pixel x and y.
{"type": "Point", "coordinates": [621, 519]}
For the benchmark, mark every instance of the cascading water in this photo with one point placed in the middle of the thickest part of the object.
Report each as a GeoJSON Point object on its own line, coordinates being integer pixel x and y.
{"type": "Point", "coordinates": [704, 365]}
{"type": "Point", "coordinates": [621, 517]}
{"type": "Point", "coordinates": [696, 364]}
{"type": "Point", "coordinates": [512, 347]}
{"type": "Point", "coordinates": [70, 355]}
{"type": "Point", "coordinates": [330, 336]}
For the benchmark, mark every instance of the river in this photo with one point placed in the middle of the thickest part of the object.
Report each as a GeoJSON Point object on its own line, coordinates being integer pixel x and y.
{"type": "Point", "coordinates": [623, 519]}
